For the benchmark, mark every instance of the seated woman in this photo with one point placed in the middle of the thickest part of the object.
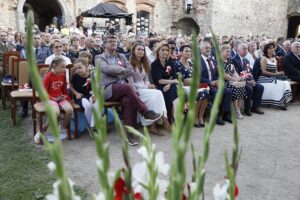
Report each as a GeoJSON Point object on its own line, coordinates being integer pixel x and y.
{"type": "Point", "coordinates": [276, 92]}
{"type": "Point", "coordinates": [233, 82]}
{"type": "Point", "coordinates": [152, 97]}
{"type": "Point", "coordinates": [185, 67]}
{"type": "Point", "coordinates": [164, 77]}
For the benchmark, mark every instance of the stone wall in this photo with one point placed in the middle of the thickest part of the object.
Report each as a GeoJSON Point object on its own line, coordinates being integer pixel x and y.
{"type": "Point", "coordinates": [226, 17]}
{"type": "Point", "coordinates": [232, 17]}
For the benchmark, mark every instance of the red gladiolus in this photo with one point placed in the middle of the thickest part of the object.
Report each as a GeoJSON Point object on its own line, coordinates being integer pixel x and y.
{"type": "Point", "coordinates": [184, 197]}
{"type": "Point", "coordinates": [137, 196]}
{"type": "Point", "coordinates": [121, 189]}
{"type": "Point", "coordinates": [236, 190]}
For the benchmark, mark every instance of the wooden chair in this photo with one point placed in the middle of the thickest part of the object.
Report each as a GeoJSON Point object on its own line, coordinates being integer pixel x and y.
{"type": "Point", "coordinates": [12, 70]}
{"type": "Point", "coordinates": [16, 95]}
{"type": "Point", "coordinates": [39, 110]}
{"type": "Point", "coordinates": [294, 87]}
{"type": "Point", "coordinates": [5, 61]}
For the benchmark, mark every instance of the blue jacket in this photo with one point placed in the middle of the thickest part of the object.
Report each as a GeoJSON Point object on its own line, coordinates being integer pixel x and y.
{"type": "Point", "coordinates": [204, 72]}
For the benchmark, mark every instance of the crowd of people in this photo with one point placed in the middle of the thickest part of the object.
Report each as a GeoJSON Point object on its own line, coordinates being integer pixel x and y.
{"type": "Point", "coordinates": [141, 72]}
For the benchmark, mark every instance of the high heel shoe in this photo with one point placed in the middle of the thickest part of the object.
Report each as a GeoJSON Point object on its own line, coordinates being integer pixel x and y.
{"type": "Point", "coordinates": [166, 124]}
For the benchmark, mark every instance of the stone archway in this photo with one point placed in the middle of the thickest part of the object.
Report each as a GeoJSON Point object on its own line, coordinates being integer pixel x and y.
{"type": "Point", "coordinates": [187, 25]}
{"type": "Point", "coordinates": [52, 8]}
{"type": "Point", "coordinates": [293, 26]}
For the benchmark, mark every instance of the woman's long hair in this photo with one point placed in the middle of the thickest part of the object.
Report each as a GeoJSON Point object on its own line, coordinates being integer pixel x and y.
{"type": "Point", "coordinates": [159, 46]}
{"type": "Point", "coordinates": [144, 61]}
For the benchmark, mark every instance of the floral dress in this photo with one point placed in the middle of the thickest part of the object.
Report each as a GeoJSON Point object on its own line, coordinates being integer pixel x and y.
{"type": "Point", "coordinates": [237, 93]}
{"type": "Point", "coordinates": [187, 73]}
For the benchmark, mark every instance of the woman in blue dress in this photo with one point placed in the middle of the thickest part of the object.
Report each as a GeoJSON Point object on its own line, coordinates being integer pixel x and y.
{"type": "Point", "coordinates": [185, 67]}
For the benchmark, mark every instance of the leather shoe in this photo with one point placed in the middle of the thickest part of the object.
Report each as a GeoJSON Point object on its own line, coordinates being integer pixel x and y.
{"type": "Point", "coordinates": [220, 122]}
{"type": "Point", "coordinates": [257, 111]}
{"type": "Point", "coordinates": [24, 114]}
{"type": "Point", "coordinates": [227, 119]}
{"type": "Point", "coordinates": [247, 112]}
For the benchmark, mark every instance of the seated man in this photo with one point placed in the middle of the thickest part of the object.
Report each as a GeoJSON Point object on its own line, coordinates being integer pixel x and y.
{"type": "Point", "coordinates": [292, 62]}
{"type": "Point", "coordinates": [209, 75]}
{"type": "Point", "coordinates": [254, 90]}
{"type": "Point", "coordinates": [116, 77]}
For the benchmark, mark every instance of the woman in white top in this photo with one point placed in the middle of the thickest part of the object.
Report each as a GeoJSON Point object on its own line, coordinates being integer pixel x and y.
{"type": "Point", "coordinates": [277, 91]}
{"type": "Point", "coordinates": [152, 97]}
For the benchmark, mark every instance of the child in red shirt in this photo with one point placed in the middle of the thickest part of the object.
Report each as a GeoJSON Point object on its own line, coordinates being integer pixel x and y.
{"type": "Point", "coordinates": [56, 87]}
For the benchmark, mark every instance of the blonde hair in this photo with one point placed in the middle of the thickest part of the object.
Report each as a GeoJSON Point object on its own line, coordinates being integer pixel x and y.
{"type": "Point", "coordinates": [159, 46]}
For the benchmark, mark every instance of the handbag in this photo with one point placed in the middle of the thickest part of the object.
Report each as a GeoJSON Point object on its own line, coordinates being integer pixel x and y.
{"type": "Point", "coordinates": [238, 84]}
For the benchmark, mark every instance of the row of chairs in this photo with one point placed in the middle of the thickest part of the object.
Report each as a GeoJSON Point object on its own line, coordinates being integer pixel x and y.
{"type": "Point", "coordinates": [18, 69]}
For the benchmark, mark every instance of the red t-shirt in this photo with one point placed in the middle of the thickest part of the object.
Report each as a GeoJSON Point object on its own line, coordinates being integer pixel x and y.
{"type": "Point", "coordinates": [56, 85]}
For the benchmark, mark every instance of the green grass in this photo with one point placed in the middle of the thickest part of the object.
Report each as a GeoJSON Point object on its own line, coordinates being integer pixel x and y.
{"type": "Point", "coordinates": [23, 166]}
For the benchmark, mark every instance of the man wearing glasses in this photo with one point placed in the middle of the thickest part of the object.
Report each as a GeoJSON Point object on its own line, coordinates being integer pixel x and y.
{"type": "Point", "coordinates": [118, 83]}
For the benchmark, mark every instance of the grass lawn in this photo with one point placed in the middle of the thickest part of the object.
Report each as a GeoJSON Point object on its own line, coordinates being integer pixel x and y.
{"type": "Point", "coordinates": [23, 166]}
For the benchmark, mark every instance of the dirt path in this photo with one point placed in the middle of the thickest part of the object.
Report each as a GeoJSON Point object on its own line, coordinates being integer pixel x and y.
{"type": "Point", "coordinates": [269, 167]}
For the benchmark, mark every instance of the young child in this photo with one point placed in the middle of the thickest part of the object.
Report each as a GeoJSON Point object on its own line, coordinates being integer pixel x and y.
{"type": "Point", "coordinates": [88, 57]}
{"type": "Point", "coordinates": [56, 87]}
{"type": "Point", "coordinates": [82, 90]}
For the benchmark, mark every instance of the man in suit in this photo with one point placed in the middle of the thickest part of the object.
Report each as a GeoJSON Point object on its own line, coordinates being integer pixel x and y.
{"type": "Point", "coordinates": [116, 77]}
{"type": "Point", "coordinates": [90, 47]}
{"type": "Point", "coordinates": [41, 50]}
{"type": "Point", "coordinates": [254, 90]}
{"type": "Point", "coordinates": [235, 44]}
{"type": "Point", "coordinates": [292, 62]}
{"type": "Point", "coordinates": [282, 48]}
{"type": "Point", "coordinates": [4, 47]}
{"type": "Point", "coordinates": [209, 75]}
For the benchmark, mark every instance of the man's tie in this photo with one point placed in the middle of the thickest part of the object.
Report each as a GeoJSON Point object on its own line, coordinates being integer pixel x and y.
{"type": "Point", "coordinates": [211, 68]}
{"type": "Point", "coordinates": [244, 61]}
{"type": "Point", "coordinates": [36, 51]}
{"type": "Point", "coordinates": [5, 47]}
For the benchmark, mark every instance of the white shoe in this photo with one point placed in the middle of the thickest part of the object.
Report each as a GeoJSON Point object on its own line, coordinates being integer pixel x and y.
{"type": "Point", "coordinates": [37, 138]}
{"type": "Point", "coordinates": [239, 115]}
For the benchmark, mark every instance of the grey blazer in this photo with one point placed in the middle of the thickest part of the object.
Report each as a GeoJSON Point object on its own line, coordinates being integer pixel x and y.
{"type": "Point", "coordinates": [113, 73]}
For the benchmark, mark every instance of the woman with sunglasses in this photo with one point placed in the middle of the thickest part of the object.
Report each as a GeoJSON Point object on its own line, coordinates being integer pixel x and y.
{"type": "Point", "coordinates": [152, 97]}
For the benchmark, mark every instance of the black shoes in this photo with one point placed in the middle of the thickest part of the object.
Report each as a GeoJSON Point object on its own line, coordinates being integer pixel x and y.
{"type": "Point", "coordinates": [132, 141]}
{"type": "Point", "coordinates": [257, 111]}
{"type": "Point", "coordinates": [227, 119]}
{"type": "Point", "coordinates": [220, 122]}
{"type": "Point", "coordinates": [199, 125]}
{"type": "Point", "coordinates": [151, 115]}
{"type": "Point", "coordinates": [24, 114]}
{"type": "Point", "coordinates": [247, 112]}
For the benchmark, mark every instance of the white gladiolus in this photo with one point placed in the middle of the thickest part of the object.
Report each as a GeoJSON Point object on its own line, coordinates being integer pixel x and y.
{"type": "Point", "coordinates": [100, 196]}
{"type": "Point", "coordinates": [51, 165]}
{"type": "Point", "coordinates": [220, 192]}
{"type": "Point", "coordinates": [160, 164]}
